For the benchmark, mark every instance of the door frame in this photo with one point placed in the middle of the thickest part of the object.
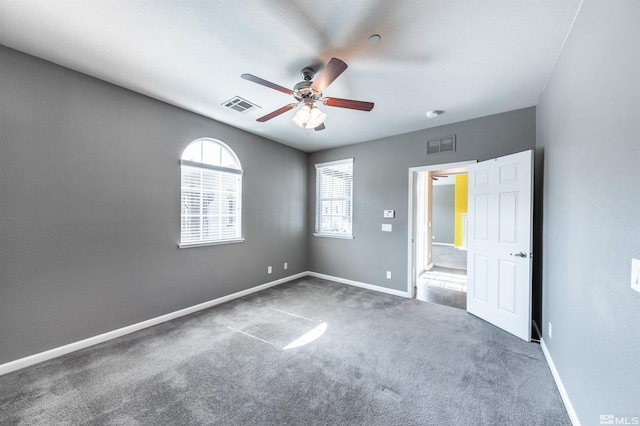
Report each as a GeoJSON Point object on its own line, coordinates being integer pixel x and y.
{"type": "Point", "coordinates": [413, 210]}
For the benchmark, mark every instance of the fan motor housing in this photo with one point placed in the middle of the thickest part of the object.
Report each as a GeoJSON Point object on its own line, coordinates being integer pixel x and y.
{"type": "Point", "coordinates": [307, 73]}
{"type": "Point", "coordinates": [303, 92]}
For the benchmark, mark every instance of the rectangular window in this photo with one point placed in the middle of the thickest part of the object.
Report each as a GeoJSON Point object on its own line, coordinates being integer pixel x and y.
{"type": "Point", "coordinates": [334, 199]}
{"type": "Point", "coordinates": [210, 206]}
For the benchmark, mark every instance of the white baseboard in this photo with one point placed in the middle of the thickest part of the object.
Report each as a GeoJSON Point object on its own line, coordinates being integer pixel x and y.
{"type": "Point", "coordinates": [75, 346]}
{"type": "Point", "coordinates": [85, 343]}
{"type": "Point", "coordinates": [563, 392]}
{"type": "Point", "coordinates": [82, 344]}
{"type": "Point", "coordinates": [359, 284]}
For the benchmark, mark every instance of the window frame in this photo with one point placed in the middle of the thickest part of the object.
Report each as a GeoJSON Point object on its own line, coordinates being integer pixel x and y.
{"type": "Point", "coordinates": [319, 200]}
{"type": "Point", "coordinates": [222, 172]}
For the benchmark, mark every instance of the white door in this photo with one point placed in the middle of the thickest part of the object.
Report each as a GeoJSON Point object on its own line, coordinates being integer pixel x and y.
{"type": "Point", "coordinates": [499, 256]}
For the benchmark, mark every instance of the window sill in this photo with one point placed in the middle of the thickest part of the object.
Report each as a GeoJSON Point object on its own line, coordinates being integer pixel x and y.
{"type": "Point", "coordinates": [213, 243]}
{"type": "Point", "coordinates": [339, 236]}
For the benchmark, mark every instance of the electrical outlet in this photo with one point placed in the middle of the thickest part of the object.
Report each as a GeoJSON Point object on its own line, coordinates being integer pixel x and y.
{"type": "Point", "coordinates": [388, 275]}
{"type": "Point", "coordinates": [269, 269]}
{"type": "Point", "coordinates": [550, 331]}
{"type": "Point", "coordinates": [635, 274]}
{"type": "Point", "coordinates": [286, 265]}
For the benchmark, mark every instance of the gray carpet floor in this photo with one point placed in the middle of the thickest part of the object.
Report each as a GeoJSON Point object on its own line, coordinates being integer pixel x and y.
{"type": "Point", "coordinates": [309, 352]}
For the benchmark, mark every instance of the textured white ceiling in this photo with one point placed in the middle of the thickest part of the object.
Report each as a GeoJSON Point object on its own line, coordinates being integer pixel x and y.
{"type": "Point", "coordinates": [469, 58]}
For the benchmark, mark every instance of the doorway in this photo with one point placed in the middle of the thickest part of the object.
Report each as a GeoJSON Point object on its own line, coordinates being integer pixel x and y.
{"type": "Point", "coordinates": [499, 237]}
{"type": "Point", "coordinates": [445, 282]}
{"type": "Point", "coordinates": [437, 234]}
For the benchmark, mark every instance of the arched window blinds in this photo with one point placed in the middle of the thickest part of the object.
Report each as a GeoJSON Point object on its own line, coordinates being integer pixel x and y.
{"type": "Point", "coordinates": [211, 194]}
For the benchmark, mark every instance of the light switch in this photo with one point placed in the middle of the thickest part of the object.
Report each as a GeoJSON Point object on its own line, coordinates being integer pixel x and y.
{"type": "Point", "coordinates": [635, 274]}
{"type": "Point", "coordinates": [386, 227]}
{"type": "Point", "coordinates": [389, 214]}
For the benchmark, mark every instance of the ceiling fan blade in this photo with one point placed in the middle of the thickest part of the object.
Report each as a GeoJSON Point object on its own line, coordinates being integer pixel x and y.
{"type": "Point", "coordinates": [276, 113]}
{"type": "Point", "coordinates": [331, 71]}
{"type": "Point", "coordinates": [348, 103]}
{"type": "Point", "coordinates": [320, 127]}
{"type": "Point", "coordinates": [266, 83]}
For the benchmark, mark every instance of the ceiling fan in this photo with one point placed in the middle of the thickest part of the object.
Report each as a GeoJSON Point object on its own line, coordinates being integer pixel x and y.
{"type": "Point", "coordinates": [308, 92]}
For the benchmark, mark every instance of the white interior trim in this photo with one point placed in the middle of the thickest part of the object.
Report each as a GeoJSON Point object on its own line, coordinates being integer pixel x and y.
{"type": "Point", "coordinates": [411, 225]}
{"type": "Point", "coordinates": [82, 344]}
{"type": "Point", "coordinates": [359, 284]}
{"type": "Point", "coordinates": [211, 243]}
{"type": "Point", "coordinates": [336, 162]}
{"type": "Point", "coordinates": [573, 416]}
{"type": "Point", "coordinates": [335, 235]}
{"type": "Point", "coordinates": [101, 338]}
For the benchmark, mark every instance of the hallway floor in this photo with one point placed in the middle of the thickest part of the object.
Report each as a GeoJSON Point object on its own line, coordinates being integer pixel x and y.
{"type": "Point", "coordinates": [449, 256]}
{"type": "Point", "coordinates": [452, 279]}
{"type": "Point", "coordinates": [444, 286]}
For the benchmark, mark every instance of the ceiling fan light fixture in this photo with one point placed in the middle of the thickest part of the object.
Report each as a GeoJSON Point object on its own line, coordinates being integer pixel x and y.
{"type": "Point", "coordinates": [303, 116]}
{"type": "Point", "coordinates": [298, 122]}
{"type": "Point", "coordinates": [304, 113]}
{"type": "Point", "coordinates": [320, 120]}
{"type": "Point", "coordinates": [317, 118]}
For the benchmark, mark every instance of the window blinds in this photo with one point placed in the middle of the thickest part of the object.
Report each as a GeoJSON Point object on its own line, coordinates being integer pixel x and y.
{"type": "Point", "coordinates": [334, 197]}
{"type": "Point", "coordinates": [210, 205]}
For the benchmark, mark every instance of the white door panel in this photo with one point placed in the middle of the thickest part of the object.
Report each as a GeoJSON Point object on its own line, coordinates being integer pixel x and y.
{"type": "Point", "coordinates": [500, 242]}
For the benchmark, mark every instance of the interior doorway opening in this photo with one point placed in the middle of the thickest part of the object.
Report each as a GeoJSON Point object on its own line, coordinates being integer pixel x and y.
{"type": "Point", "coordinates": [438, 234]}
{"type": "Point", "coordinates": [445, 280]}
{"type": "Point", "coordinates": [499, 237]}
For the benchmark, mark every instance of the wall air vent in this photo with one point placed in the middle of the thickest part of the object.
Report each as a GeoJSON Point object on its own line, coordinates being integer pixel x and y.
{"type": "Point", "coordinates": [443, 144]}
{"type": "Point", "coordinates": [240, 105]}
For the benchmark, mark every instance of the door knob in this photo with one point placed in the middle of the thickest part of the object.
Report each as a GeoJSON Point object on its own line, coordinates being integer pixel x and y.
{"type": "Point", "coordinates": [521, 254]}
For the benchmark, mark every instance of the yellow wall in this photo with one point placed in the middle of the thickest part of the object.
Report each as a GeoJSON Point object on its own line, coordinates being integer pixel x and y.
{"type": "Point", "coordinates": [462, 189]}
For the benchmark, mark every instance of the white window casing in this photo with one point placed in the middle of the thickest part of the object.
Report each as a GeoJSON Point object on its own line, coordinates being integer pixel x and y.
{"type": "Point", "coordinates": [334, 199]}
{"type": "Point", "coordinates": [211, 195]}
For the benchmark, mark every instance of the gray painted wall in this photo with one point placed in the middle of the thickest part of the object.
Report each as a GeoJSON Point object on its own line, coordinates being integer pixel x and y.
{"type": "Point", "coordinates": [443, 214]}
{"type": "Point", "coordinates": [381, 181]}
{"type": "Point", "coordinates": [589, 136]}
{"type": "Point", "coordinates": [90, 209]}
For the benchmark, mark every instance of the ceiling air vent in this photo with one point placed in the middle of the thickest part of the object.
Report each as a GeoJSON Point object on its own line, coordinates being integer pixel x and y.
{"type": "Point", "coordinates": [240, 105]}
{"type": "Point", "coordinates": [443, 144]}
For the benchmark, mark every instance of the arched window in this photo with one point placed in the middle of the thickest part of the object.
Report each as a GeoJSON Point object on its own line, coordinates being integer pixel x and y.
{"type": "Point", "coordinates": [211, 194]}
